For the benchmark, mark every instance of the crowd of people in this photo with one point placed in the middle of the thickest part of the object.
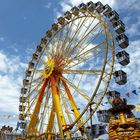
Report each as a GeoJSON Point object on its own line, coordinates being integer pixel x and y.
{"type": "Point", "coordinates": [8, 133]}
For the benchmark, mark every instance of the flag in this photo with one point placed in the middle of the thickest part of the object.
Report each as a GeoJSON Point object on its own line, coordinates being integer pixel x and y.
{"type": "Point", "coordinates": [134, 92]}
{"type": "Point", "coordinates": [9, 116]}
{"type": "Point", "coordinates": [137, 108]}
{"type": "Point", "coordinates": [106, 102]}
{"type": "Point", "coordinates": [127, 94]}
{"type": "Point", "coordinates": [3, 117]}
{"type": "Point", "coordinates": [102, 104]}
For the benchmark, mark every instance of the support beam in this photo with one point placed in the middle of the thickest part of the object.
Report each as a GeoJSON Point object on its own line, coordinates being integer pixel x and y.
{"type": "Point", "coordinates": [31, 129]}
{"type": "Point", "coordinates": [51, 120]}
{"type": "Point", "coordinates": [72, 102]}
{"type": "Point", "coordinates": [59, 113]}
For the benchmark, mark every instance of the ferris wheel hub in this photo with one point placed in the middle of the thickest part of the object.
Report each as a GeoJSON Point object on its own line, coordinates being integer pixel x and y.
{"type": "Point", "coordinates": [48, 68]}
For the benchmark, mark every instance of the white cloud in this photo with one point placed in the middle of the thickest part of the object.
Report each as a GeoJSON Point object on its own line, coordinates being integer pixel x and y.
{"type": "Point", "coordinates": [11, 69]}
{"type": "Point", "coordinates": [128, 4]}
{"type": "Point", "coordinates": [68, 4]}
{"type": "Point", "coordinates": [48, 5]}
{"type": "Point", "coordinates": [134, 28]}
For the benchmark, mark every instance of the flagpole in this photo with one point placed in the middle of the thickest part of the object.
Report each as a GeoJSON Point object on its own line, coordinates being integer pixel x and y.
{"type": "Point", "coordinates": [90, 105]}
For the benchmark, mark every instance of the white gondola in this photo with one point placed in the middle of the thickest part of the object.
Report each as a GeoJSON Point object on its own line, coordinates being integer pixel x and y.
{"type": "Point", "coordinates": [39, 48]}
{"type": "Point", "coordinates": [25, 82]}
{"type": "Point", "coordinates": [122, 41]}
{"type": "Point", "coordinates": [99, 7]}
{"type": "Point", "coordinates": [28, 73]}
{"type": "Point", "coordinates": [35, 56]}
{"type": "Point", "coordinates": [21, 108]}
{"type": "Point", "coordinates": [119, 27]}
{"type": "Point", "coordinates": [68, 15]}
{"type": "Point", "coordinates": [114, 16]}
{"type": "Point", "coordinates": [120, 77]}
{"type": "Point", "coordinates": [61, 20]}
{"type": "Point", "coordinates": [22, 99]}
{"type": "Point", "coordinates": [103, 116]}
{"type": "Point", "coordinates": [55, 27]}
{"type": "Point", "coordinates": [123, 58]}
{"type": "Point", "coordinates": [91, 6]}
{"type": "Point", "coordinates": [82, 6]}
{"type": "Point", "coordinates": [23, 90]}
{"type": "Point", "coordinates": [106, 10]}
{"type": "Point", "coordinates": [31, 65]}
{"type": "Point", "coordinates": [43, 41]}
{"type": "Point", "coordinates": [49, 33]}
{"type": "Point", "coordinates": [75, 11]}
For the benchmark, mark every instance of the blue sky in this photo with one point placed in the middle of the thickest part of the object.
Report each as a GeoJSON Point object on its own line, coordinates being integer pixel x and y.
{"type": "Point", "coordinates": [22, 25]}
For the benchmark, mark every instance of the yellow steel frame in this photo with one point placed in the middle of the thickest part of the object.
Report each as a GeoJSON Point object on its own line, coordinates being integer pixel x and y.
{"type": "Point", "coordinates": [72, 102]}
{"type": "Point", "coordinates": [58, 108]}
{"type": "Point", "coordinates": [32, 125]}
{"type": "Point", "coordinates": [55, 78]}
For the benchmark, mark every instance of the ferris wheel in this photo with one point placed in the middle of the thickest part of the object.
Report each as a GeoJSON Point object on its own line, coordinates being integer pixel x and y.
{"type": "Point", "coordinates": [71, 69]}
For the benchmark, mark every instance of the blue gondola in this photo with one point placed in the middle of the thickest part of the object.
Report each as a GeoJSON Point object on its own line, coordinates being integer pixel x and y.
{"type": "Point", "coordinates": [22, 125]}
{"type": "Point", "coordinates": [21, 108]}
{"type": "Point", "coordinates": [28, 73]}
{"type": "Point", "coordinates": [82, 6]}
{"type": "Point", "coordinates": [35, 57]}
{"type": "Point", "coordinates": [119, 27]}
{"type": "Point", "coordinates": [123, 58]}
{"type": "Point", "coordinates": [99, 7]}
{"type": "Point", "coordinates": [114, 16]}
{"type": "Point", "coordinates": [31, 65]}
{"type": "Point", "coordinates": [23, 90]}
{"type": "Point", "coordinates": [55, 27]}
{"type": "Point", "coordinates": [49, 33]}
{"type": "Point", "coordinates": [106, 10]}
{"type": "Point", "coordinates": [120, 77]}
{"type": "Point", "coordinates": [61, 20]}
{"type": "Point", "coordinates": [122, 41]}
{"type": "Point", "coordinates": [68, 15]}
{"type": "Point", "coordinates": [91, 6]}
{"type": "Point", "coordinates": [75, 11]}
{"type": "Point", "coordinates": [103, 116]}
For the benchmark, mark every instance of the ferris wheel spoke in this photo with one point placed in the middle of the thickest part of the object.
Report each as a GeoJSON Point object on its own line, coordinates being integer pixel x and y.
{"type": "Point", "coordinates": [72, 102]}
{"type": "Point", "coordinates": [82, 52]}
{"type": "Point", "coordinates": [69, 28]}
{"type": "Point", "coordinates": [34, 89]}
{"type": "Point", "coordinates": [74, 35]}
{"type": "Point", "coordinates": [83, 60]}
{"type": "Point", "coordinates": [69, 71]}
{"type": "Point", "coordinates": [59, 39]}
{"type": "Point", "coordinates": [66, 110]}
{"type": "Point", "coordinates": [75, 88]}
{"type": "Point", "coordinates": [53, 44]}
{"type": "Point", "coordinates": [82, 39]}
{"type": "Point", "coordinates": [31, 93]}
{"type": "Point", "coordinates": [38, 78]}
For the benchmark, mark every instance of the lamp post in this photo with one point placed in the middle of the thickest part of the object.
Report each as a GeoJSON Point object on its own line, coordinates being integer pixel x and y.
{"type": "Point", "coordinates": [90, 105]}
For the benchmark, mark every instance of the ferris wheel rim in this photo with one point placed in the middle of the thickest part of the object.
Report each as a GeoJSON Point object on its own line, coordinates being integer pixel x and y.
{"type": "Point", "coordinates": [97, 89]}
